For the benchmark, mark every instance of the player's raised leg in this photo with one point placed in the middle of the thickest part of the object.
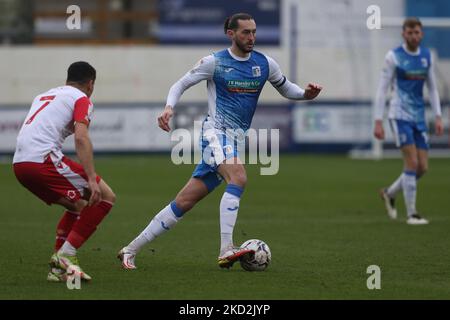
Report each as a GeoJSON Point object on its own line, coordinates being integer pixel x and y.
{"type": "Point", "coordinates": [166, 219]}
{"type": "Point", "coordinates": [234, 174]}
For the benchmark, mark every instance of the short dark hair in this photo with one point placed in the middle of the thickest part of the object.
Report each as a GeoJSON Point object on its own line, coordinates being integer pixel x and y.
{"type": "Point", "coordinates": [232, 22]}
{"type": "Point", "coordinates": [411, 22]}
{"type": "Point", "coordinates": [80, 72]}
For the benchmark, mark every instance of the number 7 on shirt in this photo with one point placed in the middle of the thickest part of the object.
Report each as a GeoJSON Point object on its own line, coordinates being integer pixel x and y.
{"type": "Point", "coordinates": [47, 100]}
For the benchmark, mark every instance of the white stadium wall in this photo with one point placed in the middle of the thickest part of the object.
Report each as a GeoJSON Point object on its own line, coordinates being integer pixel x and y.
{"type": "Point", "coordinates": [145, 74]}
{"type": "Point", "coordinates": [333, 50]}
{"type": "Point", "coordinates": [125, 74]}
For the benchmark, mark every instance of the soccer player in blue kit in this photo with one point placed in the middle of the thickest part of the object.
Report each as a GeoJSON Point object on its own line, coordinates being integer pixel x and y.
{"type": "Point", "coordinates": [407, 69]}
{"type": "Point", "coordinates": [235, 78]}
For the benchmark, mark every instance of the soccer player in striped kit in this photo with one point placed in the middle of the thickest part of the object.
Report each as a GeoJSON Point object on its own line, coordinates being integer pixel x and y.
{"type": "Point", "coordinates": [407, 69]}
{"type": "Point", "coordinates": [235, 78]}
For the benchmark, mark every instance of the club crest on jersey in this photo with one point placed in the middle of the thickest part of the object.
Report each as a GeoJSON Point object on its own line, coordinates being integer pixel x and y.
{"type": "Point", "coordinates": [71, 194]}
{"type": "Point", "coordinates": [424, 62]}
{"type": "Point", "coordinates": [256, 70]}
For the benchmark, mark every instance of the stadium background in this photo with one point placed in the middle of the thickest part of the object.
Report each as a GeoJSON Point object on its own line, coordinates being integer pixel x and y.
{"type": "Point", "coordinates": [321, 204]}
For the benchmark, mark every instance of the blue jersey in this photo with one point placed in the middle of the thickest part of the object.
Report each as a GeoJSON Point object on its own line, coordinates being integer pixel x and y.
{"type": "Point", "coordinates": [234, 85]}
{"type": "Point", "coordinates": [411, 72]}
{"type": "Point", "coordinates": [238, 85]}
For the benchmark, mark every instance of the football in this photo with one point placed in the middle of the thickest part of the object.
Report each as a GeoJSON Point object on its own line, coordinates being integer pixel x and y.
{"type": "Point", "coordinates": [260, 259]}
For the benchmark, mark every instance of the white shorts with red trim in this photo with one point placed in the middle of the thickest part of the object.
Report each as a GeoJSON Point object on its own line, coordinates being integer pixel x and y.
{"type": "Point", "coordinates": [54, 179]}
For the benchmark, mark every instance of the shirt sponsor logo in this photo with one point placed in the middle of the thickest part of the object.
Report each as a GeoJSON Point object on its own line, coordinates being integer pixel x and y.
{"type": "Point", "coordinates": [243, 86]}
{"type": "Point", "coordinates": [416, 74]}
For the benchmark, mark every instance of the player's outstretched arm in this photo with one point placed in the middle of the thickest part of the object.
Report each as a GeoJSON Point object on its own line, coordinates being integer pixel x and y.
{"type": "Point", "coordinates": [312, 91]}
{"type": "Point", "coordinates": [288, 89]}
{"type": "Point", "coordinates": [84, 149]}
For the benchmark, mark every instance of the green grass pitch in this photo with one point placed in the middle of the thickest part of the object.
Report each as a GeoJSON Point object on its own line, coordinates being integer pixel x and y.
{"type": "Point", "coordinates": [320, 215]}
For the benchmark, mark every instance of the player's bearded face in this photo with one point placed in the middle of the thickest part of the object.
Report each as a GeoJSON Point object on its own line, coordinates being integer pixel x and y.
{"type": "Point", "coordinates": [245, 36]}
{"type": "Point", "coordinates": [245, 46]}
{"type": "Point", "coordinates": [413, 37]}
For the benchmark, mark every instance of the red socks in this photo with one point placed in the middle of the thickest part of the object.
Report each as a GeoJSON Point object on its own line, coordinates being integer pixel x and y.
{"type": "Point", "coordinates": [64, 227]}
{"type": "Point", "coordinates": [84, 227]}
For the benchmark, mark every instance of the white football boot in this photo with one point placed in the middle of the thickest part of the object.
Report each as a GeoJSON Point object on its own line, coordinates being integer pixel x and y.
{"type": "Point", "coordinates": [126, 257]}
{"type": "Point", "coordinates": [56, 273]}
{"type": "Point", "coordinates": [389, 204]}
{"type": "Point", "coordinates": [416, 219]}
{"type": "Point", "coordinates": [71, 262]}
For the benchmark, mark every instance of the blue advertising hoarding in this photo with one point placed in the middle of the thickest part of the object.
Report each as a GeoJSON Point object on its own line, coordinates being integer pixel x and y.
{"type": "Point", "coordinates": [201, 21]}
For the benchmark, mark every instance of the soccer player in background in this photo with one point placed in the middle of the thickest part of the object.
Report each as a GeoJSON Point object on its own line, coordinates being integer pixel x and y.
{"type": "Point", "coordinates": [235, 78]}
{"type": "Point", "coordinates": [41, 167]}
{"type": "Point", "coordinates": [407, 68]}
